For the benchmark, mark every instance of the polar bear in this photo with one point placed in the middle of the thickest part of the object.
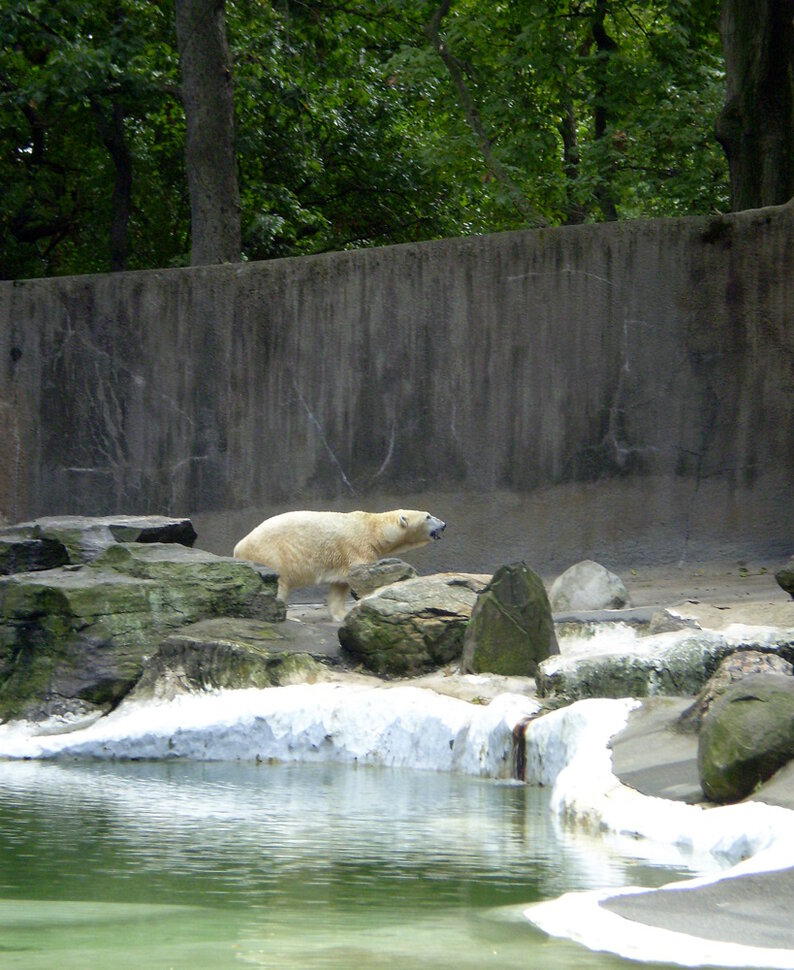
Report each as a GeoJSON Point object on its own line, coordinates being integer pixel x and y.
{"type": "Point", "coordinates": [306, 548]}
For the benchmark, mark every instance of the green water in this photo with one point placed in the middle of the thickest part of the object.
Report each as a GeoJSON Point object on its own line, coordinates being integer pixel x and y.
{"type": "Point", "coordinates": [185, 865]}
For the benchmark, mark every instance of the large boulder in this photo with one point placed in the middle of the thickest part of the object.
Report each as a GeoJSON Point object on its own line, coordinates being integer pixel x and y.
{"type": "Point", "coordinates": [785, 577]}
{"type": "Point", "coordinates": [672, 665]}
{"type": "Point", "coordinates": [511, 629]}
{"type": "Point", "coordinates": [233, 653]}
{"type": "Point", "coordinates": [747, 736]}
{"type": "Point", "coordinates": [588, 586]}
{"type": "Point", "coordinates": [368, 577]}
{"type": "Point", "coordinates": [75, 638]}
{"type": "Point", "coordinates": [737, 666]}
{"type": "Point", "coordinates": [411, 627]}
{"type": "Point", "coordinates": [54, 541]}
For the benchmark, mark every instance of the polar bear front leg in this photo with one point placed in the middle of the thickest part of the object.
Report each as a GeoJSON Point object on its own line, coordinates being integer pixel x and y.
{"type": "Point", "coordinates": [283, 591]}
{"type": "Point", "coordinates": [337, 598]}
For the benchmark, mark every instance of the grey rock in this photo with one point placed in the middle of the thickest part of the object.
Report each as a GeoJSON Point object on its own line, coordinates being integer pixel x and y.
{"type": "Point", "coordinates": [26, 553]}
{"type": "Point", "coordinates": [735, 667]}
{"type": "Point", "coordinates": [747, 736]}
{"type": "Point", "coordinates": [663, 621]}
{"type": "Point", "coordinates": [411, 627]}
{"type": "Point", "coordinates": [232, 653]}
{"type": "Point", "coordinates": [588, 586]}
{"type": "Point", "coordinates": [365, 579]}
{"type": "Point", "coordinates": [53, 541]}
{"type": "Point", "coordinates": [511, 628]}
{"type": "Point", "coordinates": [667, 665]}
{"type": "Point", "coordinates": [785, 577]}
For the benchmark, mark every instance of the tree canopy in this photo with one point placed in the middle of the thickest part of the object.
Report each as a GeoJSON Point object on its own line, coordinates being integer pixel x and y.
{"type": "Point", "coordinates": [356, 123]}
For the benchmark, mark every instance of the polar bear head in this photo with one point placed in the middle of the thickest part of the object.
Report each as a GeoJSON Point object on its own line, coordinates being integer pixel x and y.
{"type": "Point", "coordinates": [409, 528]}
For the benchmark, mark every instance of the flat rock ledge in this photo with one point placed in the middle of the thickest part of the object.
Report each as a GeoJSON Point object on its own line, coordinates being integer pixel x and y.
{"type": "Point", "coordinates": [673, 664]}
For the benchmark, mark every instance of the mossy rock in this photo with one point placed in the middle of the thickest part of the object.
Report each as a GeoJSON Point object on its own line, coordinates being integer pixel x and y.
{"type": "Point", "coordinates": [677, 668]}
{"type": "Point", "coordinates": [747, 736]}
{"type": "Point", "coordinates": [412, 627]}
{"type": "Point", "coordinates": [227, 653]}
{"type": "Point", "coordinates": [785, 577]}
{"type": "Point", "coordinates": [53, 541]}
{"type": "Point", "coordinates": [80, 634]}
{"type": "Point", "coordinates": [511, 629]}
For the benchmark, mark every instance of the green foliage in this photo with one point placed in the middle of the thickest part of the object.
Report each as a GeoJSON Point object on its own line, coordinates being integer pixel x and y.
{"type": "Point", "coordinates": [63, 67]}
{"type": "Point", "coordinates": [351, 129]}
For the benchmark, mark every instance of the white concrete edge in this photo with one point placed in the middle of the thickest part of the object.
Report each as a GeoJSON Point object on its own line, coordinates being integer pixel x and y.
{"type": "Point", "coordinates": [567, 749]}
{"type": "Point", "coordinates": [580, 918]}
{"type": "Point", "coordinates": [752, 837]}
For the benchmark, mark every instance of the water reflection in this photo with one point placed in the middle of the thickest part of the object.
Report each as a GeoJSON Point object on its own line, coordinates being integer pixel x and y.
{"type": "Point", "coordinates": [225, 864]}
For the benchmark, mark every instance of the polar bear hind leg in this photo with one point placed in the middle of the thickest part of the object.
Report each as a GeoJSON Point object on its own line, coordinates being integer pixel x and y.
{"type": "Point", "coordinates": [337, 598]}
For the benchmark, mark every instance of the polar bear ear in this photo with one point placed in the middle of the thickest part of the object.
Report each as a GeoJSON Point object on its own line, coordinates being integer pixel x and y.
{"type": "Point", "coordinates": [404, 522]}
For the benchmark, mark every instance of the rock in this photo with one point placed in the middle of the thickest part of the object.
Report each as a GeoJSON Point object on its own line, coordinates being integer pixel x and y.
{"type": "Point", "coordinates": [735, 667]}
{"type": "Point", "coordinates": [588, 586]}
{"type": "Point", "coordinates": [22, 554]}
{"type": "Point", "coordinates": [663, 621]}
{"type": "Point", "coordinates": [59, 540]}
{"type": "Point", "coordinates": [511, 629]}
{"type": "Point", "coordinates": [747, 736]}
{"type": "Point", "coordinates": [785, 577]}
{"type": "Point", "coordinates": [666, 665]}
{"type": "Point", "coordinates": [411, 627]}
{"type": "Point", "coordinates": [229, 653]}
{"type": "Point", "coordinates": [78, 635]}
{"type": "Point", "coordinates": [367, 578]}
{"type": "Point", "coordinates": [214, 585]}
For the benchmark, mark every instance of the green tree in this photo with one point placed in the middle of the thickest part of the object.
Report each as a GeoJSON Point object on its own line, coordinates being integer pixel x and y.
{"type": "Point", "coordinates": [594, 108]}
{"type": "Point", "coordinates": [357, 123]}
{"type": "Point", "coordinates": [86, 127]}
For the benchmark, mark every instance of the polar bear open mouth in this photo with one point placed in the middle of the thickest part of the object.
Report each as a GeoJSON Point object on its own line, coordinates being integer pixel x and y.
{"type": "Point", "coordinates": [436, 533]}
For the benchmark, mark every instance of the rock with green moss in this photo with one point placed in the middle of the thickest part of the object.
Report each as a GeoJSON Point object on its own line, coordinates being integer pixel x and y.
{"type": "Point", "coordinates": [233, 653]}
{"type": "Point", "coordinates": [511, 629]}
{"type": "Point", "coordinates": [747, 736]}
{"type": "Point", "coordinates": [53, 541]}
{"type": "Point", "coordinates": [667, 665]}
{"type": "Point", "coordinates": [785, 577]}
{"type": "Point", "coordinates": [75, 638]}
{"type": "Point", "coordinates": [412, 627]}
{"type": "Point", "coordinates": [734, 668]}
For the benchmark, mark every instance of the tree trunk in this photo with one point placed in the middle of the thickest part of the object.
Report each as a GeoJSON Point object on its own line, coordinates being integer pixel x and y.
{"type": "Point", "coordinates": [111, 130]}
{"type": "Point", "coordinates": [605, 46]}
{"type": "Point", "coordinates": [756, 127]}
{"type": "Point", "coordinates": [207, 94]}
{"type": "Point", "coordinates": [575, 212]}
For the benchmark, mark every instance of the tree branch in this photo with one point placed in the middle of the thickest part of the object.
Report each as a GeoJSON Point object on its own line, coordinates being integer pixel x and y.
{"type": "Point", "coordinates": [495, 167]}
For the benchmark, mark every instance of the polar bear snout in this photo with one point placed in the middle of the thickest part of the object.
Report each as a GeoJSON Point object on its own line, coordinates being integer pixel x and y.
{"type": "Point", "coordinates": [435, 527]}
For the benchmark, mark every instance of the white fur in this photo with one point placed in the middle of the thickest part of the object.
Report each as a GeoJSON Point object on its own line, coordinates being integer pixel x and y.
{"type": "Point", "coordinates": [307, 548]}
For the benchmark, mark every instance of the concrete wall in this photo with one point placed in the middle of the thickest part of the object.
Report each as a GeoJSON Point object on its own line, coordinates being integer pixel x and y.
{"type": "Point", "coordinates": [625, 388]}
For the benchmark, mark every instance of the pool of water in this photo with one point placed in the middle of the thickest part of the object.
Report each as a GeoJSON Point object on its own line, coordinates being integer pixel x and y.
{"type": "Point", "coordinates": [201, 866]}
